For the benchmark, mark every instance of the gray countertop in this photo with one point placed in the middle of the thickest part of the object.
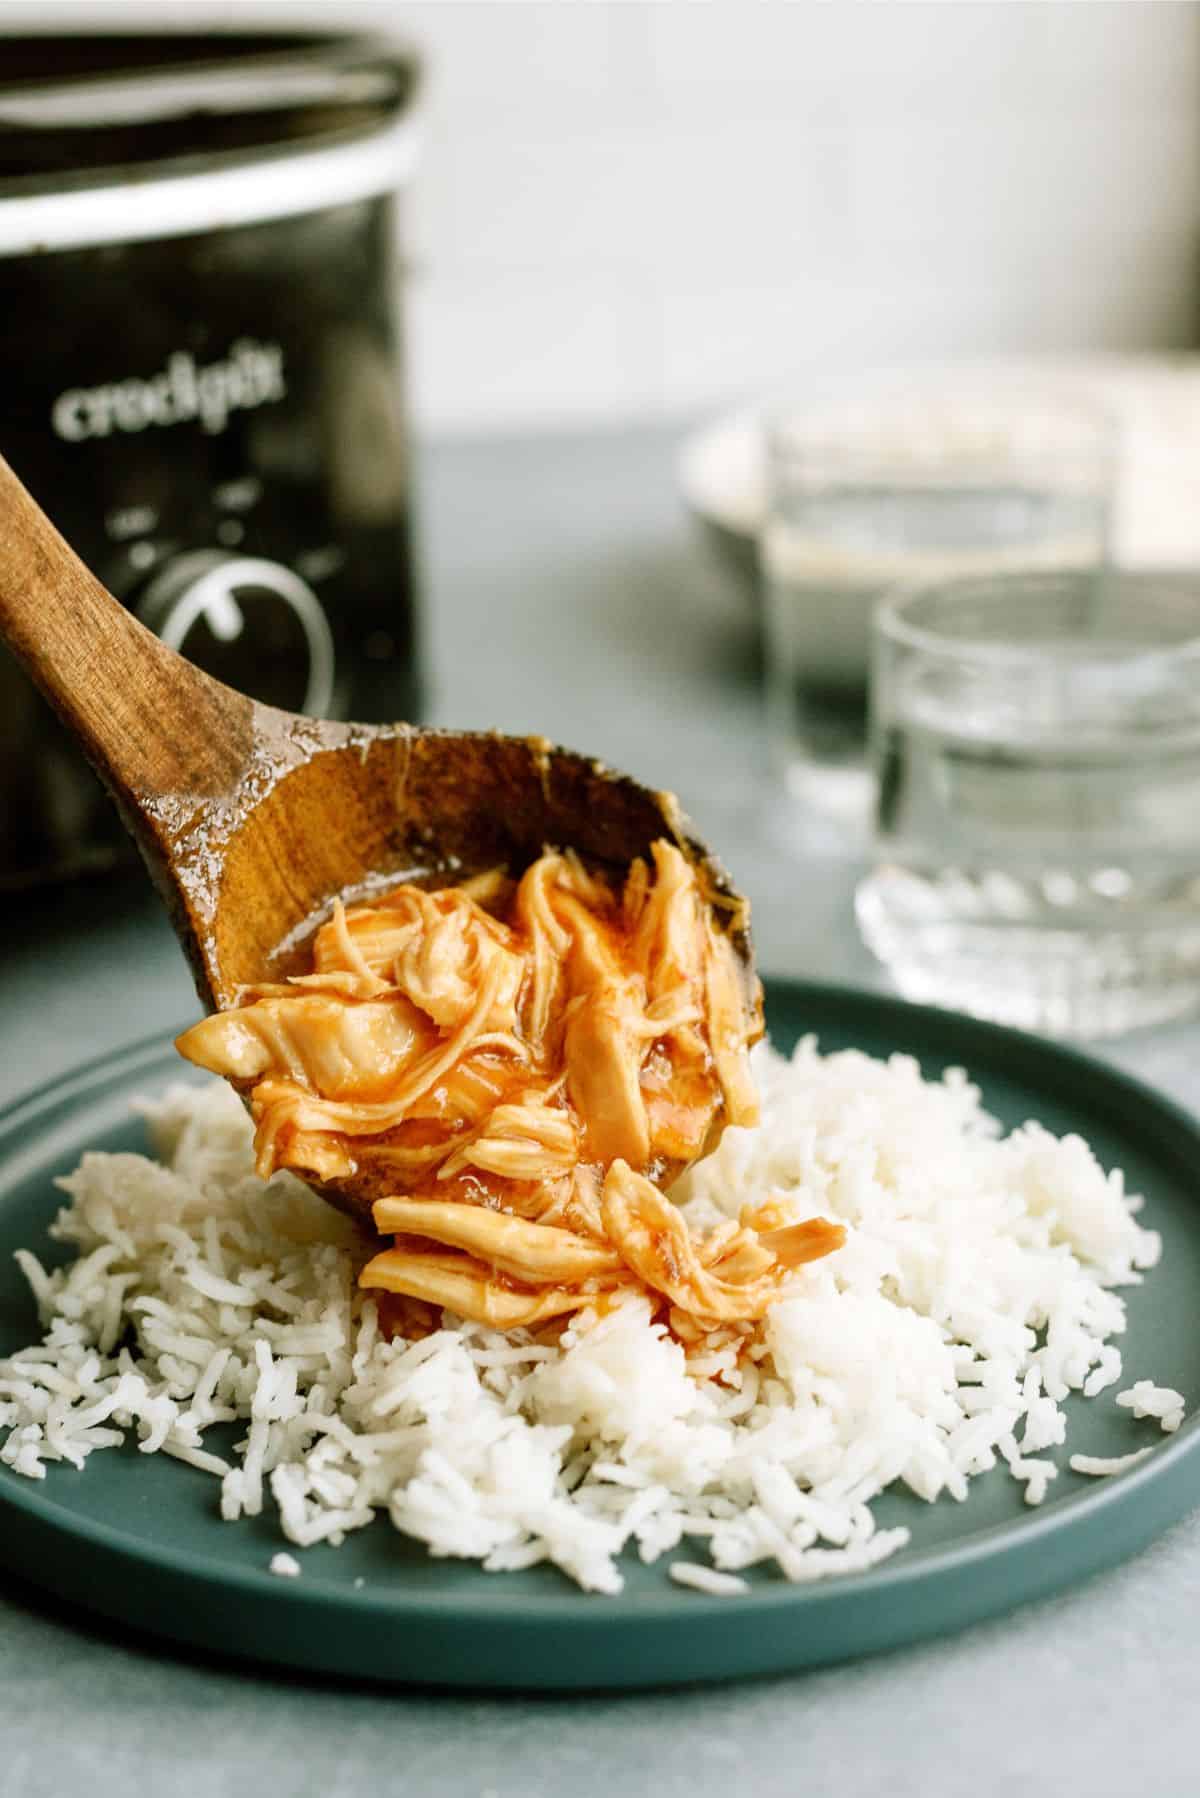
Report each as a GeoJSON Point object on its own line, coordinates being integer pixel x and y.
{"type": "Point", "coordinates": [566, 595]}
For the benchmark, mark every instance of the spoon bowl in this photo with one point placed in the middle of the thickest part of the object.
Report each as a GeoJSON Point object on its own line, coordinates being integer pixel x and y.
{"type": "Point", "coordinates": [253, 821]}
{"type": "Point", "coordinates": [346, 811]}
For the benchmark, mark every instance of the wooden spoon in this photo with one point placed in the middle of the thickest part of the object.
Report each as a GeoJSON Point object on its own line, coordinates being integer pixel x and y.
{"type": "Point", "coordinates": [252, 820]}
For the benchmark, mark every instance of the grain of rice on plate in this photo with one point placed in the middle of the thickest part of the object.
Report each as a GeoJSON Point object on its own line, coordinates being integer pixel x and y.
{"type": "Point", "coordinates": [975, 1290]}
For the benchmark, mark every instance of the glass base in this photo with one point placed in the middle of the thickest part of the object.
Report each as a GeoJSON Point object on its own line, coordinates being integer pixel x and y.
{"type": "Point", "coordinates": [1083, 976]}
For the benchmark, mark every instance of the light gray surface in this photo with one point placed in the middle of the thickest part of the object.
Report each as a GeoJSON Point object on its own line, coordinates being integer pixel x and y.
{"type": "Point", "coordinates": [567, 596]}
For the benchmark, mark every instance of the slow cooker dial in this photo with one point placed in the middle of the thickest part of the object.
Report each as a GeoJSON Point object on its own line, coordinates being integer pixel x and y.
{"type": "Point", "coordinates": [253, 623]}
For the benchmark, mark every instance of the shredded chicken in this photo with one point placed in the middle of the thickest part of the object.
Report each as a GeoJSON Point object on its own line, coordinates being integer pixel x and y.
{"type": "Point", "coordinates": [511, 1072]}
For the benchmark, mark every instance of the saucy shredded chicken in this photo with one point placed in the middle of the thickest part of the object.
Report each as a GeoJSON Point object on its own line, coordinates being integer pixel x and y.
{"type": "Point", "coordinates": [510, 1072]}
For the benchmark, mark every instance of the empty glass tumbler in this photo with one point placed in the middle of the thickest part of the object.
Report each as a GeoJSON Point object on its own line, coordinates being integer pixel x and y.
{"type": "Point", "coordinates": [1036, 744]}
{"type": "Point", "coordinates": [924, 477]}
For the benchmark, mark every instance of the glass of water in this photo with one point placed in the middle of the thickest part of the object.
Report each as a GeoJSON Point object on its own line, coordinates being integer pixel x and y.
{"type": "Point", "coordinates": [1036, 742]}
{"type": "Point", "coordinates": [907, 478]}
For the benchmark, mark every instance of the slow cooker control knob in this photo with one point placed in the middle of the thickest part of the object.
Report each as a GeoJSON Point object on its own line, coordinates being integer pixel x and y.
{"type": "Point", "coordinates": [250, 622]}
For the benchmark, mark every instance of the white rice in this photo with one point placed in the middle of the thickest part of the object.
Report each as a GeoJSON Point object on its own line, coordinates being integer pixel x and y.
{"type": "Point", "coordinates": [285, 1565]}
{"type": "Point", "coordinates": [706, 1579]}
{"type": "Point", "coordinates": [1104, 1466]}
{"type": "Point", "coordinates": [975, 1291]}
{"type": "Point", "coordinates": [1145, 1399]}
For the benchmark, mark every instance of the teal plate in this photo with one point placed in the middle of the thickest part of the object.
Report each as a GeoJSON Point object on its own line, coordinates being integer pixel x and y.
{"type": "Point", "coordinates": [138, 1538]}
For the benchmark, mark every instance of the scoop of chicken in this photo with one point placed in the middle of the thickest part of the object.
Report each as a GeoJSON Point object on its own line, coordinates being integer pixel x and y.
{"type": "Point", "coordinates": [437, 1049]}
{"type": "Point", "coordinates": [506, 1088]}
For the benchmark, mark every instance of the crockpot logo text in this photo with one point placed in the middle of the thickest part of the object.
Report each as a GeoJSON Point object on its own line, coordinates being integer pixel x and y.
{"type": "Point", "coordinates": [183, 393]}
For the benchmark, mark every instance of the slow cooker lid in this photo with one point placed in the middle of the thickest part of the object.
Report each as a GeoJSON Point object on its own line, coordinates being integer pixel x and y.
{"type": "Point", "coordinates": [80, 111]}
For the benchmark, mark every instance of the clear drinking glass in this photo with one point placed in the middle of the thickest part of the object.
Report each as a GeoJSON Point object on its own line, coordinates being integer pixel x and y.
{"type": "Point", "coordinates": [915, 478]}
{"type": "Point", "coordinates": [1036, 742]}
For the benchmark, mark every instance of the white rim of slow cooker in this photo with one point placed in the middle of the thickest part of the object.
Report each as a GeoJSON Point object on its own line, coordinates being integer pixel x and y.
{"type": "Point", "coordinates": [277, 187]}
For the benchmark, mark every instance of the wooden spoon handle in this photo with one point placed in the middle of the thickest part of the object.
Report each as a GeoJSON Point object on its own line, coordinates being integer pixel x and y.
{"type": "Point", "coordinates": [149, 722]}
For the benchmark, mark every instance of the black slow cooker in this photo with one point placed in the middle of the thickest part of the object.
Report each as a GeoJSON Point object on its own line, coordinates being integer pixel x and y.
{"type": "Point", "coordinates": [200, 372]}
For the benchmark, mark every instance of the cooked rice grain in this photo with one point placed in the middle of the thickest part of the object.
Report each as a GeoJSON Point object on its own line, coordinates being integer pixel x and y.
{"type": "Point", "coordinates": [1162, 1403]}
{"type": "Point", "coordinates": [1104, 1466]}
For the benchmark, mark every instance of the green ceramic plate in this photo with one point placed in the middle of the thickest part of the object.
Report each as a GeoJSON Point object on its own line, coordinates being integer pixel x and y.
{"type": "Point", "coordinates": [138, 1539]}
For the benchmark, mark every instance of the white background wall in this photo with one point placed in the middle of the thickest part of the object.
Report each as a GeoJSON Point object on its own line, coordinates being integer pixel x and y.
{"type": "Point", "coordinates": [648, 207]}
